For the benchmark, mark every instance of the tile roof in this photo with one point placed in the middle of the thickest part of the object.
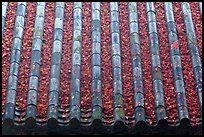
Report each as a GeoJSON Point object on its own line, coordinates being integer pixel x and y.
{"type": "Point", "coordinates": [75, 122]}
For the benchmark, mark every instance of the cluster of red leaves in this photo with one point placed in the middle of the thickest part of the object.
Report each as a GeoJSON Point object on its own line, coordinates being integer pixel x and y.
{"type": "Point", "coordinates": [65, 74]}
{"type": "Point", "coordinates": [43, 93]}
{"type": "Point", "coordinates": [197, 20]}
{"type": "Point", "coordinates": [190, 86]}
{"type": "Point", "coordinates": [128, 93]}
{"type": "Point", "coordinates": [6, 47]}
{"type": "Point", "coordinates": [107, 80]}
{"type": "Point", "coordinates": [86, 68]}
{"type": "Point", "coordinates": [167, 74]}
{"type": "Point", "coordinates": [146, 62]}
{"type": "Point", "coordinates": [24, 68]}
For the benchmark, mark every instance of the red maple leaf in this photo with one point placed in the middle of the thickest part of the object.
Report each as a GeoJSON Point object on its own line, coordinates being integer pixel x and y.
{"type": "Point", "coordinates": [175, 45]}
